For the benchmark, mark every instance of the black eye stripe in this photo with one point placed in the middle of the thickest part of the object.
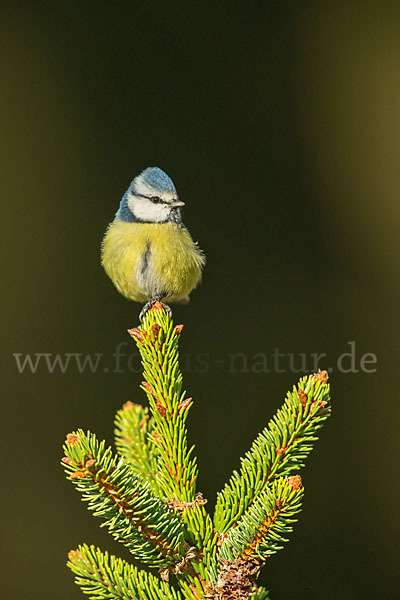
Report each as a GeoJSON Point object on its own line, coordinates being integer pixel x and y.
{"type": "Point", "coordinates": [154, 199]}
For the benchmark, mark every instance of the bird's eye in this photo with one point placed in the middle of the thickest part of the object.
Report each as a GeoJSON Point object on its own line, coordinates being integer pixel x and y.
{"type": "Point", "coordinates": [155, 199]}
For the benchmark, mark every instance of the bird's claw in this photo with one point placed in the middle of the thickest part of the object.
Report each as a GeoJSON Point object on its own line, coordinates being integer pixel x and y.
{"type": "Point", "coordinates": [149, 305]}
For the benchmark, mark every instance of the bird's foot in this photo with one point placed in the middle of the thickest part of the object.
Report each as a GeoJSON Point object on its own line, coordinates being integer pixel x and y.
{"type": "Point", "coordinates": [149, 305]}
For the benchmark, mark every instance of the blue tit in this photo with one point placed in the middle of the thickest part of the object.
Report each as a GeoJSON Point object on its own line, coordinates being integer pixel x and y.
{"type": "Point", "coordinates": [147, 252]}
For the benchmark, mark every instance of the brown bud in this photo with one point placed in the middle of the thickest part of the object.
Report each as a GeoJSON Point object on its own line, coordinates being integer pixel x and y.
{"type": "Point", "coordinates": [295, 482]}
{"type": "Point", "coordinates": [221, 538]}
{"type": "Point", "coordinates": [148, 388]}
{"type": "Point", "coordinates": [164, 574]}
{"type": "Point", "coordinates": [127, 405]}
{"type": "Point", "coordinates": [78, 475]}
{"type": "Point", "coordinates": [319, 404]}
{"type": "Point", "coordinates": [157, 306]}
{"type": "Point", "coordinates": [72, 439]}
{"type": "Point", "coordinates": [89, 463]}
{"type": "Point", "coordinates": [161, 409]}
{"type": "Point", "coordinates": [302, 396]}
{"type": "Point", "coordinates": [73, 554]}
{"type": "Point", "coordinates": [178, 329]}
{"type": "Point", "coordinates": [184, 404]}
{"type": "Point", "coordinates": [155, 329]}
{"type": "Point", "coordinates": [321, 376]}
{"type": "Point", "coordinates": [66, 460]}
{"type": "Point", "coordinates": [280, 452]}
{"type": "Point", "coordinates": [136, 333]}
{"type": "Point", "coordinates": [199, 500]}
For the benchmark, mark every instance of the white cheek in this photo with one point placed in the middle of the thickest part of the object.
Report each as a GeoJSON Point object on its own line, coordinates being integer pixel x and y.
{"type": "Point", "coordinates": [145, 210]}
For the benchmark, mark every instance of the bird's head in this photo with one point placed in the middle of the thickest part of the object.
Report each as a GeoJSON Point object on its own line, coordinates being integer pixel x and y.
{"type": "Point", "coordinates": [151, 198]}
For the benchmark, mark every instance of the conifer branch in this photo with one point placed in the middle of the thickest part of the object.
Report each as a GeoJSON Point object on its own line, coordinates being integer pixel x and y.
{"type": "Point", "coordinates": [133, 426]}
{"type": "Point", "coordinates": [128, 508]}
{"type": "Point", "coordinates": [157, 341]}
{"type": "Point", "coordinates": [106, 577]}
{"type": "Point", "coordinates": [259, 533]}
{"type": "Point", "coordinates": [147, 498]}
{"type": "Point", "coordinates": [280, 449]}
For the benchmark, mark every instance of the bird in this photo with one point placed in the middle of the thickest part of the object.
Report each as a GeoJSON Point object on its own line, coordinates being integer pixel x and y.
{"type": "Point", "coordinates": [147, 251]}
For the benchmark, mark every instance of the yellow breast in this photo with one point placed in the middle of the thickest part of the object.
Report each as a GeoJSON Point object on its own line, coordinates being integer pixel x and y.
{"type": "Point", "coordinates": [145, 260]}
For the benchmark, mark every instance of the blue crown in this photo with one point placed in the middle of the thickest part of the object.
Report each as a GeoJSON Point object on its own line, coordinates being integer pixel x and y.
{"type": "Point", "coordinates": [157, 179]}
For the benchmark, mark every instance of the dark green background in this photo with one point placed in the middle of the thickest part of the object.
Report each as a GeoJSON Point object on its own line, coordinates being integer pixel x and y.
{"type": "Point", "coordinates": [280, 125]}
